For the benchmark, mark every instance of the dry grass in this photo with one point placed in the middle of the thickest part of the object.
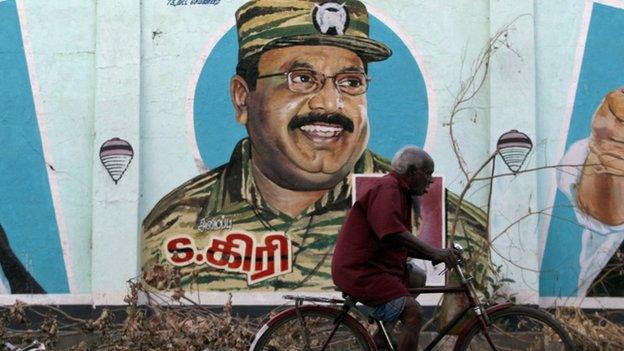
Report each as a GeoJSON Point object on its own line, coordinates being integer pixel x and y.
{"type": "Point", "coordinates": [174, 322]}
{"type": "Point", "coordinates": [596, 331]}
{"type": "Point", "coordinates": [165, 322]}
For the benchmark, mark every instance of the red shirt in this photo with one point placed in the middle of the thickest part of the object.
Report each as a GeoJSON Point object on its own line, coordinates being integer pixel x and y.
{"type": "Point", "coordinates": [362, 266]}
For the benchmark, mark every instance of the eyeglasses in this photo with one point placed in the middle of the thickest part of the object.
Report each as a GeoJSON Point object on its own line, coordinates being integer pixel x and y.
{"type": "Point", "coordinates": [304, 81]}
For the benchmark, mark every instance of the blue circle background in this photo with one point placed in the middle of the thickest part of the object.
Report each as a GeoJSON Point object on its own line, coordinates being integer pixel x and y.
{"type": "Point", "coordinates": [397, 100]}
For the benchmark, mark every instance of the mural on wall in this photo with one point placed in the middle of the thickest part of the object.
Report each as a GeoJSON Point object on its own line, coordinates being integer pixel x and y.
{"type": "Point", "coordinates": [31, 255]}
{"type": "Point", "coordinates": [267, 218]}
{"type": "Point", "coordinates": [116, 155]}
{"type": "Point", "coordinates": [584, 255]}
{"type": "Point", "coordinates": [317, 98]}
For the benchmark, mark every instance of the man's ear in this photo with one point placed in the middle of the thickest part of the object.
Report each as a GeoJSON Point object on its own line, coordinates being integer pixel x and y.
{"type": "Point", "coordinates": [239, 91]}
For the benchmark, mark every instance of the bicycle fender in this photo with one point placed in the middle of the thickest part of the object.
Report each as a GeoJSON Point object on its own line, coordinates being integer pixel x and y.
{"type": "Point", "coordinates": [258, 336]}
{"type": "Point", "coordinates": [292, 311]}
{"type": "Point", "coordinates": [266, 326]}
{"type": "Point", "coordinates": [474, 321]}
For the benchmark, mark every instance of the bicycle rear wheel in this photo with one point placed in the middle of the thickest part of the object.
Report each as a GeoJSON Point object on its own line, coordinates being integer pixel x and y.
{"type": "Point", "coordinates": [309, 330]}
{"type": "Point", "coordinates": [520, 328]}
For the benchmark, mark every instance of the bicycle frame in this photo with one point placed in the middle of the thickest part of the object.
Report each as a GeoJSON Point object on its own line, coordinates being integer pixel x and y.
{"type": "Point", "coordinates": [466, 287]}
{"type": "Point", "coordinates": [475, 305]}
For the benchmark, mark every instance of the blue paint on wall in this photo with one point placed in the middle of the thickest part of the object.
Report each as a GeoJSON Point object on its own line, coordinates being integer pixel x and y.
{"type": "Point", "coordinates": [397, 100]}
{"type": "Point", "coordinates": [26, 207]}
{"type": "Point", "coordinates": [602, 71]}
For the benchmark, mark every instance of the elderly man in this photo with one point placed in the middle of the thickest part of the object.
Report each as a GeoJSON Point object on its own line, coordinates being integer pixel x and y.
{"type": "Point", "coordinates": [370, 258]}
{"type": "Point", "coordinates": [268, 219]}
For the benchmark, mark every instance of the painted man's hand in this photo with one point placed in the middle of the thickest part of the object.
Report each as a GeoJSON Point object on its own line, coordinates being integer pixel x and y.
{"type": "Point", "coordinates": [601, 185]}
{"type": "Point", "coordinates": [607, 138]}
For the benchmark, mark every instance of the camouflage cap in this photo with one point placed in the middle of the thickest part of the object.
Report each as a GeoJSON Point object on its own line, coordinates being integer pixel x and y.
{"type": "Point", "coordinates": [269, 24]}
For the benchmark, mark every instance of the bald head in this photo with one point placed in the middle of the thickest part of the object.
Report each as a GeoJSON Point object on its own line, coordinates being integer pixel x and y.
{"type": "Point", "coordinates": [411, 157]}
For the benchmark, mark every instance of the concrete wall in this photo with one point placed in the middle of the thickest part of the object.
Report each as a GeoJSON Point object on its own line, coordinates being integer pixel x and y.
{"type": "Point", "coordinates": [109, 106]}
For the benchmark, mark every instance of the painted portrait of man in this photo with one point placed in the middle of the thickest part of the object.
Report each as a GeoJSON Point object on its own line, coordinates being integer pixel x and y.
{"type": "Point", "coordinates": [268, 218]}
{"type": "Point", "coordinates": [584, 251]}
{"type": "Point", "coordinates": [597, 190]}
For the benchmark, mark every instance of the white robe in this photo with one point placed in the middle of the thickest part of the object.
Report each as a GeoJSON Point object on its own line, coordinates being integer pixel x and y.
{"type": "Point", "coordinates": [600, 241]}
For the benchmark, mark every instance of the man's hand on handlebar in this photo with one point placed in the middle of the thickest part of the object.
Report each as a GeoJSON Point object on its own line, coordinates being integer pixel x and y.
{"type": "Point", "coordinates": [417, 248]}
{"type": "Point", "coordinates": [450, 257]}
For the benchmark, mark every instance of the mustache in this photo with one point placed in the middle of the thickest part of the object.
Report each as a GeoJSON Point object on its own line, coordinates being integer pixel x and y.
{"type": "Point", "coordinates": [312, 118]}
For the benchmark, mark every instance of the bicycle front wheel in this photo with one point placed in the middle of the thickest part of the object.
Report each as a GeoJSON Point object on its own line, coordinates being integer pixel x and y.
{"type": "Point", "coordinates": [309, 330]}
{"type": "Point", "coordinates": [520, 328]}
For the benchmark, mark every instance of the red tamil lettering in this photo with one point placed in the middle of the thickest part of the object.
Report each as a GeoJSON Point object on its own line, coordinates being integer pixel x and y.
{"type": "Point", "coordinates": [218, 254]}
{"type": "Point", "coordinates": [273, 259]}
{"type": "Point", "coordinates": [241, 249]}
{"type": "Point", "coordinates": [237, 252]}
{"type": "Point", "coordinates": [181, 251]}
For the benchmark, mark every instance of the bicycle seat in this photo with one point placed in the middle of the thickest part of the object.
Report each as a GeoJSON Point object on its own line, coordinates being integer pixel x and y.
{"type": "Point", "coordinates": [365, 309]}
{"type": "Point", "coordinates": [348, 298]}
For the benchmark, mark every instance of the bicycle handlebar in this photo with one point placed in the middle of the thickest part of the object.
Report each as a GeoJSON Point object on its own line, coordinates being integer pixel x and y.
{"type": "Point", "coordinates": [460, 260]}
{"type": "Point", "coordinates": [460, 249]}
{"type": "Point", "coordinates": [458, 266]}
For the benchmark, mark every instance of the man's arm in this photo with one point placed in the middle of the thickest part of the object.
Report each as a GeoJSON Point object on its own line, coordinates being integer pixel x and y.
{"type": "Point", "coordinates": [417, 248]}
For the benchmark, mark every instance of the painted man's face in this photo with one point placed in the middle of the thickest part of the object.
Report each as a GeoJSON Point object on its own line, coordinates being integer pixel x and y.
{"type": "Point", "coordinates": [306, 141]}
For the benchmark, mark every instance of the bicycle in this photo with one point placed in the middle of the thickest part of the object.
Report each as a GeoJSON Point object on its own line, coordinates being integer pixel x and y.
{"type": "Point", "coordinates": [328, 328]}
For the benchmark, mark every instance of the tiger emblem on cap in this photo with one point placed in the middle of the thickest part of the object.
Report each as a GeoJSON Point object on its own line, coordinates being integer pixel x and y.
{"type": "Point", "coordinates": [331, 18]}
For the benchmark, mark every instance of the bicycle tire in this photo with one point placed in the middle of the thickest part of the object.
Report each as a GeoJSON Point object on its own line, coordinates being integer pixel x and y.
{"type": "Point", "coordinates": [285, 332]}
{"type": "Point", "coordinates": [519, 328]}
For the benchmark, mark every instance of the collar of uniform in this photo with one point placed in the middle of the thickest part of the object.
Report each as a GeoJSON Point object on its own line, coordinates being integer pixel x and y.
{"type": "Point", "coordinates": [236, 184]}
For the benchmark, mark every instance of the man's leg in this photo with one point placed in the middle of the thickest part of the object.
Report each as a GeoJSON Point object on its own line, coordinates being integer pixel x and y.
{"type": "Point", "coordinates": [380, 339]}
{"type": "Point", "coordinates": [411, 319]}
{"type": "Point", "coordinates": [417, 279]}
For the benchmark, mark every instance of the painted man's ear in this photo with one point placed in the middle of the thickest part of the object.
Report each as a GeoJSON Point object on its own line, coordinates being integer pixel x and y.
{"type": "Point", "coordinates": [239, 92]}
